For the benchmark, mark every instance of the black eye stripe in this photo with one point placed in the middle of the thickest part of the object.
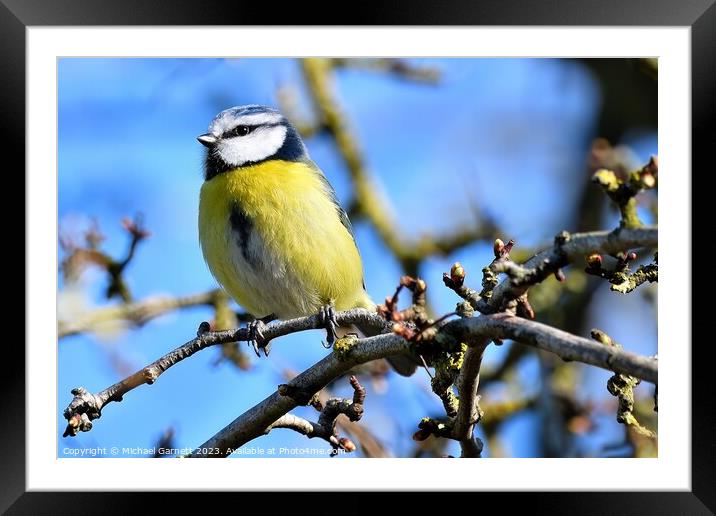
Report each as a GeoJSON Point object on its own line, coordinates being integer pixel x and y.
{"type": "Point", "coordinates": [243, 130]}
{"type": "Point", "coordinates": [239, 130]}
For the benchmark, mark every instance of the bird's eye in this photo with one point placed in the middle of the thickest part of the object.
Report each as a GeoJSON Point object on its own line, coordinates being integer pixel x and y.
{"type": "Point", "coordinates": [241, 130]}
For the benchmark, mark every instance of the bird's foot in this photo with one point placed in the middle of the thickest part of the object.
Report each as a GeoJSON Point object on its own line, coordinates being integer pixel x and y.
{"type": "Point", "coordinates": [256, 335]}
{"type": "Point", "coordinates": [328, 319]}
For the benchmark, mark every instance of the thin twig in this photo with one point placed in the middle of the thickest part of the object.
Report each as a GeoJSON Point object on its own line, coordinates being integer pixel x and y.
{"type": "Point", "coordinates": [137, 313]}
{"type": "Point", "coordinates": [575, 247]}
{"type": "Point", "coordinates": [325, 428]}
{"type": "Point", "coordinates": [399, 68]}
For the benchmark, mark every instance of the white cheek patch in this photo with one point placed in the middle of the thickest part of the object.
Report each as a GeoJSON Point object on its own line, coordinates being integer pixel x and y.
{"type": "Point", "coordinates": [262, 143]}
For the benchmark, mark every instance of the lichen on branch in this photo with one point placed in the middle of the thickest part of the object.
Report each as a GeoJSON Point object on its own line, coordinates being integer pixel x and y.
{"type": "Point", "coordinates": [623, 192]}
{"type": "Point", "coordinates": [622, 387]}
{"type": "Point", "coordinates": [621, 278]}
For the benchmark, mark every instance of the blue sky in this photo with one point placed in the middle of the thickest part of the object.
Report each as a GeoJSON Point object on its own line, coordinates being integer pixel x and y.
{"type": "Point", "coordinates": [509, 135]}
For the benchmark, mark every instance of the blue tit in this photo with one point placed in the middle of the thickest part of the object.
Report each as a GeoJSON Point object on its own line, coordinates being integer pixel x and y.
{"type": "Point", "coordinates": [271, 228]}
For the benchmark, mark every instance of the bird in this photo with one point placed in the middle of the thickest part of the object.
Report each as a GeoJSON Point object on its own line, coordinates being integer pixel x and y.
{"type": "Point", "coordinates": [271, 228]}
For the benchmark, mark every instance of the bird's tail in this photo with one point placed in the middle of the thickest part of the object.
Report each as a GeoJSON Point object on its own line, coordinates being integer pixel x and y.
{"type": "Point", "coordinates": [403, 365]}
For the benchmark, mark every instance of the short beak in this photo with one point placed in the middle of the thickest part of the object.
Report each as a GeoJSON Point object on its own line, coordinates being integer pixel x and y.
{"type": "Point", "coordinates": [207, 140]}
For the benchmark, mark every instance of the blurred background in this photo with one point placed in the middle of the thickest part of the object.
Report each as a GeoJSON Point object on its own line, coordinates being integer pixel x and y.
{"type": "Point", "coordinates": [454, 150]}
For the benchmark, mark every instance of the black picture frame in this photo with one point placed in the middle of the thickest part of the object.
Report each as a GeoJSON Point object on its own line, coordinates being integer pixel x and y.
{"type": "Point", "coordinates": [700, 15]}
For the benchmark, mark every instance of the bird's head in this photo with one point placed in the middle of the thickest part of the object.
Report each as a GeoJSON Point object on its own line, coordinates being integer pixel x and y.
{"type": "Point", "coordinates": [246, 135]}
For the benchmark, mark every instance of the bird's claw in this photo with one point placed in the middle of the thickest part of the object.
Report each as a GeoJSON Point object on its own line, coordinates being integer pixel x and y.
{"type": "Point", "coordinates": [328, 319]}
{"type": "Point", "coordinates": [256, 337]}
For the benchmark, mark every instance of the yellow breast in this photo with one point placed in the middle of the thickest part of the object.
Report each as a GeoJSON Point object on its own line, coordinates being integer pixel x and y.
{"type": "Point", "coordinates": [273, 239]}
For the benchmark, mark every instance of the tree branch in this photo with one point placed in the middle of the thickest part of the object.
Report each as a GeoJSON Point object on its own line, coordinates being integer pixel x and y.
{"type": "Point", "coordinates": [325, 428]}
{"type": "Point", "coordinates": [361, 434]}
{"type": "Point", "coordinates": [623, 192]}
{"type": "Point", "coordinates": [78, 257]}
{"type": "Point", "coordinates": [86, 406]}
{"type": "Point", "coordinates": [138, 312]}
{"type": "Point", "coordinates": [621, 278]}
{"type": "Point", "coordinates": [399, 68]}
{"type": "Point", "coordinates": [253, 422]}
{"type": "Point", "coordinates": [565, 345]}
{"type": "Point", "coordinates": [567, 249]}
{"type": "Point", "coordinates": [469, 413]}
{"type": "Point", "coordinates": [622, 387]}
